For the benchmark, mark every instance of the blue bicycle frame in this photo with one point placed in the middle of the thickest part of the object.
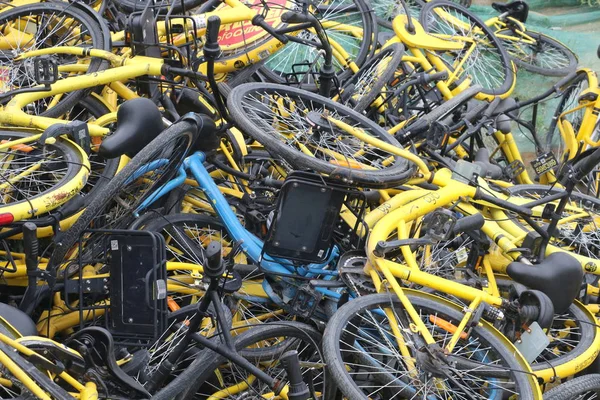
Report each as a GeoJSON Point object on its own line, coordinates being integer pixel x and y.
{"type": "Point", "coordinates": [250, 244]}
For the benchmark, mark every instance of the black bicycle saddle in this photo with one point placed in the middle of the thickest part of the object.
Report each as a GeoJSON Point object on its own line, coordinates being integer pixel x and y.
{"type": "Point", "coordinates": [17, 320]}
{"type": "Point", "coordinates": [559, 276]}
{"type": "Point", "coordinates": [139, 121]}
{"type": "Point", "coordinates": [517, 9]}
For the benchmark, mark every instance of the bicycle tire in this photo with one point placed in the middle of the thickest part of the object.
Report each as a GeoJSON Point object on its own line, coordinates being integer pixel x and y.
{"type": "Point", "coordinates": [360, 49]}
{"type": "Point", "coordinates": [488, 45]}
{"type": "Point", "coordinates": [209, 362]}
{"type": "Point", "coordinates": [333, 339]}
{"type": "Point", "coordinates": [528, 58]}
{"type": "Point", "coordinates": [257, 126]}
{"type": "Point", "coordinates": [368, 82]}
{"type": "Point", "coordinates": [575, 389]}
{"type": "Point", "coordinates": [95, 38]}
{"type": "Point", "coordinates": [27, 190]}
{"type": "Point", "coordinates": [184, 131]}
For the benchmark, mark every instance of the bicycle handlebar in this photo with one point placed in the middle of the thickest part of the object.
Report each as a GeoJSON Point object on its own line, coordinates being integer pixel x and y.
{"type": "Point", "coordinates": [259, 20]}
{"type": "Point", "coordinates": [479, 195]}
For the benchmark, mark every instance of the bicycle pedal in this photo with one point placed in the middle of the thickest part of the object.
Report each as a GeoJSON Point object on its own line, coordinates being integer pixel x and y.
{"type": "Point", "coordinates": [305, 302]}
{"type": "Point", "coordinates": [45, 70]}
{"type": "Point", "coordinates": [514, 169]}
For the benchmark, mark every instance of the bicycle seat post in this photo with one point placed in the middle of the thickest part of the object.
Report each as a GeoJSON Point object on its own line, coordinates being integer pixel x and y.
{"type": "Point", "coordinates": [298, 389]}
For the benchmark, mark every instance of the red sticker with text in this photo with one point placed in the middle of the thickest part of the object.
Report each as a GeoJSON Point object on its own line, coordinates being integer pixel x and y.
{"type": "Point", "coordinates": [238, 33]}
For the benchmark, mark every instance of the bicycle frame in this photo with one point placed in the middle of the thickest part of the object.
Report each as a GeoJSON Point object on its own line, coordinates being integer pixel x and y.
{"type": "Point", "coordinates": [394, 272]}
{"type": "Point", "coordinates": [250, 244]}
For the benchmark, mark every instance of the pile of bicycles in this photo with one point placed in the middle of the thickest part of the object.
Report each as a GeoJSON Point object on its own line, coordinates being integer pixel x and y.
{"type": "Point", "coordinates": [294, 199]}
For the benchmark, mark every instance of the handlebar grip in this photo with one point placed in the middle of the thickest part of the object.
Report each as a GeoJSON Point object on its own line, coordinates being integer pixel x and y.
{"type": "Point", "coordinates": [587, 164]}
{"type": "Point", "coordinates": [565, 80]}
{"type": "Point", "coordinates": [468, 223]}
{"type": "Point", "coordinates": [276, 183]}
{"type": "Point", "coordinates": [31, 245]}
{"type": "Point", "coordinates": [290, 17]}
{"type": "Point", "coordinates": [438, 76]}
{"type": "Point", "coordinates": [487, 113]}
{"type": "Point", "coordinates": [212, 29]}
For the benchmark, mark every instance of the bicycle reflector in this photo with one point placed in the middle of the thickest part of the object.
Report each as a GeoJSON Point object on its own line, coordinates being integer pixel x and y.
{"type": "Point", "coordinates": [6, 218]}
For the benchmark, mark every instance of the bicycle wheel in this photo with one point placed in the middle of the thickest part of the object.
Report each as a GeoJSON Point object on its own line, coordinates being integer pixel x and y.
{"type": "Point", "coordinates": [262, 345]}
{"type": "Point", "coordinates": [348, 23]}
{"type": "Point", "coordinates": [483, 58]}
{"type": "Point", "coordinates": [38, 178]}
{"type": "Point", "coordinates": [115, 206]}
{"type": "Point", "coordinates": [586, 387]}
{"type": "Point", "coordinates": [538, 53]}
{"type": "Point", "coordinates": [364, 360]}
{"type": "Point", "coordinates": [310, 131]}
{"type": "Point", "coordinates": [362, 88]}
{"type": "Point", "coordinates": [47, 25]}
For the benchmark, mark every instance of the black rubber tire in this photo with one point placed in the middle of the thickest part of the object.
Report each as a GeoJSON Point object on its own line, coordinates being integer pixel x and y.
{"type": "Point", "coordinates": [69, 11]}
{"type": "Point", "coordinates": [366, 49]}
{"type": "Point", "coordinates": [69, 152]}
{"type": "Point", "coordinates": [396, 174]}
{"type": "Point", "coordinates": [332, 339]}
{"type": "Point", "coordinates": [491, 39]}
{"type": "Point", "coordinates": [569, 390]}
{"type": "Point", "coordinates": [371, 92]}
{"type": "Point", "coordinates": [129, 6]}
{"type": "Point", "coordinates": [544, 40]}
{"type": "Point", "coordinates": [101, 199]}
{"type": "Point", "coordinates": [188, 382]}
